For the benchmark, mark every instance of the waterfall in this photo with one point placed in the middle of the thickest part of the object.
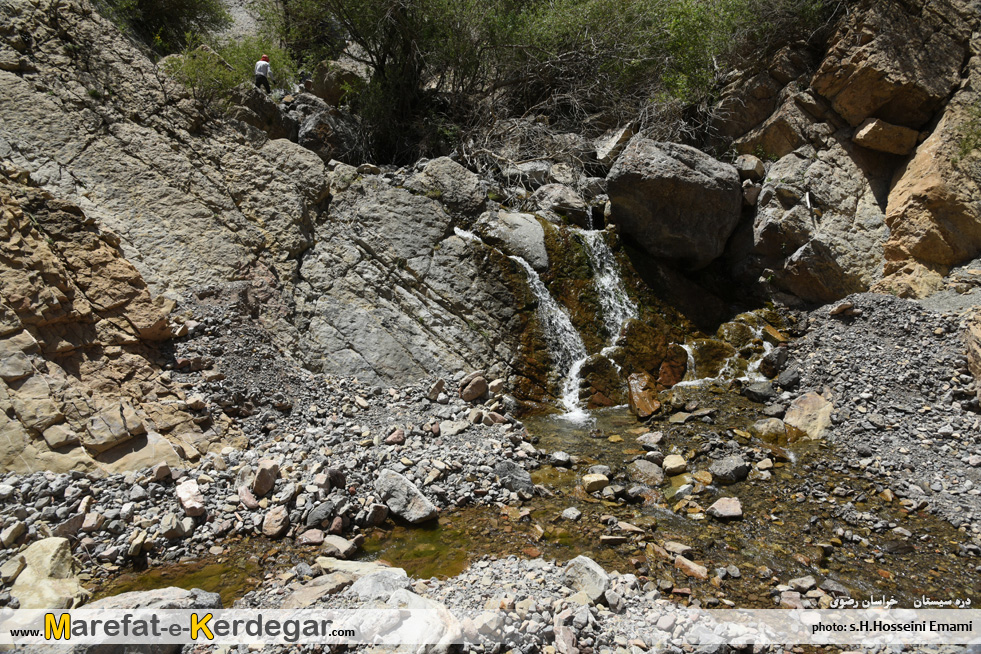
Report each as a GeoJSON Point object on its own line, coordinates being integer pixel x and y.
{"type": "Point", "coordinates": [617, 307]}
{"type": "Point", "coordinates": [730, 370]}
{"type": "Point", "coordinates": [565, 345]}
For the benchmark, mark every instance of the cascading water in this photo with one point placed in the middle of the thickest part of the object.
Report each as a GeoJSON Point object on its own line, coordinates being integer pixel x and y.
{"type": "Point", "coordinates": [731, 370]}
{"type": "Point", "coordinates": [617, 310]}
{"type": "Point", "coordinates": [617, 307]}
{"type": "Point", "coordinates": [567, 349]}
{"type": "Point", "coordinates": [565, 345]}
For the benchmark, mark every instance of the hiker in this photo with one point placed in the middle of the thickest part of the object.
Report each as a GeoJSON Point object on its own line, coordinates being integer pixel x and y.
{"type": "Point", "coordinates": [262, 73]}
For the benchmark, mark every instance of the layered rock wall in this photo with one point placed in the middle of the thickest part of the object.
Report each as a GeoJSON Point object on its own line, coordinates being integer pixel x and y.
{"type": "Point", "coordinates": [376, 285]}
{"type": "Point", "coordinates": [81, 380]}
{"type": "Point", "coordinates": [868, 185]}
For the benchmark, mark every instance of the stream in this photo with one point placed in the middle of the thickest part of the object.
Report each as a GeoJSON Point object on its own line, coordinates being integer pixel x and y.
{"type": "Point", "coordinates": [798, 517]}
{"type": "Point", "coordinates": [780, 536]}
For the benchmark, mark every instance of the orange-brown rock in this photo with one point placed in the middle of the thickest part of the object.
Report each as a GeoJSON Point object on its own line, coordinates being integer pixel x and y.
{"type": "Point", "coordinates": [674, 367]}
{"type": "Point", "coordinates": [643, 395]}
{"type": "Point", "coordinates": [77, 327]}
{"type": "Point", "coordinates": [895, 60]}
{"type": "Point", "coordinates": [877, 134]}
{"type": "Point", "coordinates": [934, 208]}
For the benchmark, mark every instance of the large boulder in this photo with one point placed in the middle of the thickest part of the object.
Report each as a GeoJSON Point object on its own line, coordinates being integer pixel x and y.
{"type": "Point", "coordinates": [403, 498]}
{"type": "Point", "coordinates": [586, 575]}
{"type": "Point", "coordinates": [48, 578]}
{"type": "Point", "coordinates": [453, 185]}
{"type": "Point", "coordinates": [253, 107]}
{"type": "Point", "coordinates": [330, 133]}
{"type": "Point", "coordinates": [518, 234]}
{"type": "Point", "coordinates": [895, 60]}
{"type": "Point", "coordinates": [677, 202]}
{"type": "Point", "coordinates": [332, 80]}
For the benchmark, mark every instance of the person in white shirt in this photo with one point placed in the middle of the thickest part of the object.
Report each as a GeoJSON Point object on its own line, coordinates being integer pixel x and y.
{"type": "Point", "coordinates": [262, 73]}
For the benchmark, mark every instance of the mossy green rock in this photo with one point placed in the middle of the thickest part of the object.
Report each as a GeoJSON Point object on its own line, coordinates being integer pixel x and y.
{"type": "Point", "coordinates": [710, 356]}
{"type": "Point", "coordinates": [641, 347]}
{"type": "Point", "coordinates": [735, 334]}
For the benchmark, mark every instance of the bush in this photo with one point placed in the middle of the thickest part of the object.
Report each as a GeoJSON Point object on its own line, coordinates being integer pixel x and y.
{"type": "Point", "coordinates": [463, 61]}
{"type": "Point", "coordinates": [211, 73]}
{"type": "Point", "coordinates": [206, 75]}
{"type": "Point", "coordinates": [165, 24]}
{"type": "Point", "coordinates": [243, 53]}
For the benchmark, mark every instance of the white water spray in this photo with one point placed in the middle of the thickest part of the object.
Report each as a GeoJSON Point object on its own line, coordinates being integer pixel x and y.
{"type": "Point", "coordinates": [566, 348]}
{"type": "Point", "coordinates": [616, 306]}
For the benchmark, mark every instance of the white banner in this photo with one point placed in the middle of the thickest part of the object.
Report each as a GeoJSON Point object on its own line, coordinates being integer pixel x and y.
{"type": "Point", "coordinates": [867, 628]}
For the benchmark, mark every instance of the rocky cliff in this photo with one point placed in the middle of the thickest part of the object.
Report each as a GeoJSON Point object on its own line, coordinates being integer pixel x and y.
{"type": "Point", "coordinates": [866, 185]}
{"type": "Point", "coordinates": [79, 348]}
{"type": "Point", "coordinates": [852, 172]}
{"type": "Point", "coordinates": [354, 274]}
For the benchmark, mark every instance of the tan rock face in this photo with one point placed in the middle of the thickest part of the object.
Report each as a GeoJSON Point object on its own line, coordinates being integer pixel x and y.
{"type": "Point", "coordinates": [77, 345]}
{"type": "Point", "coordinates": [879, 135]}
{"type": "Point", "coordinates": [934, 210]}
{"type": "Point", "coordinates": [832, 216]}
{"type": "Point", "coordinates": [934, 206]}
{"type": "Point", "coordinates": [876, 65]}
{"type": "Point", "coordinates": [48, 580]}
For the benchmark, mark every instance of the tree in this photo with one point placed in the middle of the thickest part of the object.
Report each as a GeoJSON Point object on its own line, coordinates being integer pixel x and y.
{"type": "Point", "coordinates": [457, 62]}
{"type": "Point", "coordinates": [165, 24]}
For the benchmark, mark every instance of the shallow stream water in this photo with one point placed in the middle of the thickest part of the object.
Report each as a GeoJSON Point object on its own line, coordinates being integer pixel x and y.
{"type": "Point", "coordinates": [784, 533]}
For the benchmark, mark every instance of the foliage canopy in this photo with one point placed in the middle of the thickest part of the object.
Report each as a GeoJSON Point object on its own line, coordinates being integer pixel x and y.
{"type": "Point", "coordinates": [165, 24]}
{"type": "Point", "coordinates": [435, 62]}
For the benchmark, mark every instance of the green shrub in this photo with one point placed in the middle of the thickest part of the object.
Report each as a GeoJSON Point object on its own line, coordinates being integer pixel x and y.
{"type": "Point", "coordinates": [211, 73]}
{"type": "Point", "coordinates": [435, 62]}
{"type": "Point", "coordinates": [205, 74]}
{"type": "Point", "coordinates": [165, 24]}
{"type": "Point", "coordinates": [243, 53]}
